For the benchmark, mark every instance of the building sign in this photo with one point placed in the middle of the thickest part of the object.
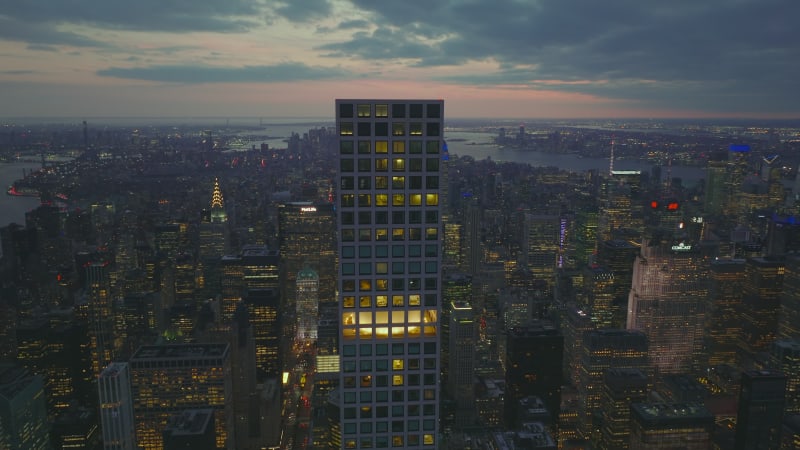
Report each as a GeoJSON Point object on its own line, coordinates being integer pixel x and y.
{"type": "Point", "coordinates": [308, 209]}
{"type": "Point", "coordinates": [681, 247]}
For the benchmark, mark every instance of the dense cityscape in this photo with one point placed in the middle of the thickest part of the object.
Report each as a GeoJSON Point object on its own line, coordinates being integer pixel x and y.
{"type": "Point", "coordinates": [490, 285]}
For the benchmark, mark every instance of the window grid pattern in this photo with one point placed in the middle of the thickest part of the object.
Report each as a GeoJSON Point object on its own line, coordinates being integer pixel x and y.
{"type": "Point", "coordinates": [389, 271]}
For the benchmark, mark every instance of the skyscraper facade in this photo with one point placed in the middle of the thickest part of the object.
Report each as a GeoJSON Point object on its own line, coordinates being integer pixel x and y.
{"type": "Point", "coordinates": [116, 407]}
{"type": "Point", "coordinates": [761, 402]}
{"type": "Point", "coordinates": [389, 226]}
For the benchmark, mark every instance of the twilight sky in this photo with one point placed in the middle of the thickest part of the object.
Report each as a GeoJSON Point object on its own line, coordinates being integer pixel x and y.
{"type": "Point", "coordinates": [486, 58]}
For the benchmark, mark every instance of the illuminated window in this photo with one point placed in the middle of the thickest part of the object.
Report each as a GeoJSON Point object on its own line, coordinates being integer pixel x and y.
{"type": "Point", "coordinates": [427, 439]}
{"type": "Point", "coordinates": [398, 300]}
{"type": "Point", "coordinates": [364, 110]}
{"type": "Point", "coordinates": [432, 199]}
{"type": "Point", "coordinates": [398, 182]}
{"type": "Point", "coordinates": [347, 200]}
{"type": "Point", "coordinates": [382, 284]}
{"type": "Point", "coordinates": [431, 233]}
{"type": "Point", "coordinates": [382, 317]}
{"type": "Point", "coordinates": [348, 301]}
{"type": "Point", "coordinates": [398, 129]}
{"type": "Point", "coordinates": [382, 110]}
{"type": "Point", "coordinates": [381, 234]}
{"type": "Point", "coordinates": [381, 182]}
{"type": "Point", "coordinates": [365, 301]}
{"type": "Point", "coordinates": [399, 316]}
{"type": "Point", "coordinates": [397, 441]}
{"type": "Point", "coordinates": [365, 332]}
{"type": "Point", "coordinates": [397, 380]}
{"type": "Point", "coordinates": [415, 199]}
{"type": "Point", "coordinates": [364, 199]}
{"type": "Point", "coordinates": [398, 234]}
{"type": "Point", "coordinates": [397, 364]}
{"type": "Point", "coordinates": [414, 316]}
{"type": "Point", "coordinates": [381, 301]}
{"type": "Point", "coordinates": [398, 147]}
{"type": "Point", "coordinates": [398, 164]}
{"type": "Point", "coordinates": [381, 147]}
{"type": "Point", "coordinates": [366, 381]}
{"type": "Point", "coordinates": [365, 285]}
{"type": "Point", "coordinates": [414, 234]}
{"type": "Point", "coordinates": [398, 199]}
{"type": "Point", "coordinates": [348, 318]}
{"type": "Point", "coordinates": [414, 300]}
{"type": "Point", "coordinates": [363, 147]}
{"type": "Point", "coordinates": [381, 268]}
{"type": "Point", "coordinates": [381, 333]}
{"type": "Point", "coordinates": [381, 165]}
{"type": "Point", "coordinates": [349, 333]}
{"type": "Point", "coordinates": [381, 200]}
{"type": "Point", "coordinates": [346, 147]}
{"type": "Point", "coordinates": [415, 129]}
{"type": "Point", "coordinates": [346, 128]}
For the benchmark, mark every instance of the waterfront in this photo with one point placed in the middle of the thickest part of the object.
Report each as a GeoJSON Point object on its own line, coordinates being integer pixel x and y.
{"type": "Point", "coordinates": [12, 208]}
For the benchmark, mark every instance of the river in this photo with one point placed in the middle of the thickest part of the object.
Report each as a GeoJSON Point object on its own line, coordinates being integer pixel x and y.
{"type": "Point", "coordinates": [13, 209]}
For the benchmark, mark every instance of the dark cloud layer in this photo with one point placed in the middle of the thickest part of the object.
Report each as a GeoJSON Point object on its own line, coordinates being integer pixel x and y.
{"type": "Point", "coordinates": [712, 55]}
{"type": "Point", "coordinates": [287, 72]}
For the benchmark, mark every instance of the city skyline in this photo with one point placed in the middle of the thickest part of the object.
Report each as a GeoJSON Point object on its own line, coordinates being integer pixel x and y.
{"type": "Point", "coordinates": [573, 59]}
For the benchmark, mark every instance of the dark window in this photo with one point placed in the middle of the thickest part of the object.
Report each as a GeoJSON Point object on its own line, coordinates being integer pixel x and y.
{"type": "Point", "coordinates": [415, 182]}
{"type": "Point", "coordinates": [364, 165]}
{"type": "Point", "coordinates": [434, 110]}
{"type": "Point", "coordinates": [346, 165]}
{"type": "Point", "coordinates": [364, 128]}
{"type": "Point", "coordinates": [381, 129]}
{"type": "Point", "coordinates": [415, 217]}
{"type": "Point", "coordinates": [346, 110]}
{"type": "Point", "coordinates": [415, 110]}
{"type": "Point", "coordinates": [347, 217]}
{"type": "Point", "coordinates": [398, 110]}
{"type": "Point", "coordinates": [364, 218]}
{"type": "Point", "coordinates": [432, 164]}
{"type": "Point", "coordinates": [433, 129]}
{"type": "Point", "coordinates": [347, 183]}
{"type": "Point", "coordinates": [432, 182]}
{"type": "Point", "coordinates": [346, 147]}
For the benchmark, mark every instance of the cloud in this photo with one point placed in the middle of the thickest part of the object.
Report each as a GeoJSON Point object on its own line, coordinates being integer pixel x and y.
{"type": "Point", "coordinates": [303, 10]}
{"type": "Point", "coordinates": [188, 74]}
{"type": "Point", "coordinates": [141, 15]}
{"type": "Point", "coordinates": [711, 54]}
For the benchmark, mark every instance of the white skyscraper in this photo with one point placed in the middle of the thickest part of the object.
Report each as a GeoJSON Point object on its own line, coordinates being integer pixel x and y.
{"type": "Point", "coordinates": [389, 226]}
{"type": "Point", "coordinates": [116, 407]}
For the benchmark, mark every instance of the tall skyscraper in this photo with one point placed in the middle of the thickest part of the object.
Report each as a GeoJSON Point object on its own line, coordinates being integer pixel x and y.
{"type": "Point", "coordinates": [463, 335]}
{"type": "Point", "coordinates": [666, 302]}
{"type": "Point", "coordinates": [389, 225]}
{"type": "Point", "coordinates": [723, 324]}
{"type": "Point", "coordinates": [214, 227]}
{"type": "Point", "coordinates": [760, 416]}
{"type": "Point", "coordinates": [101, 318]}
{"type": "Point", "coordinates": [307, 306]}
{"type": "Point", "coordinates": [116, 407]}
{"type": "Point", "coordinates": [670, 426]}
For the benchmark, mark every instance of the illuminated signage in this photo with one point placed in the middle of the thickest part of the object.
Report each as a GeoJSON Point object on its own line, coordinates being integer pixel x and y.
{"type": "Point", "coordinates": [697, 220]}
{"type": "Point", "coordinates": [681, 247]}
{"type": "Point", "coordinates": [308, 209]}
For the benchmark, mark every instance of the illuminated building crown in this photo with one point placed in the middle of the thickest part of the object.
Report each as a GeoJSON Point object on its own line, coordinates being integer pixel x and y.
{"type": "Point", "coordinates": [218, 213]}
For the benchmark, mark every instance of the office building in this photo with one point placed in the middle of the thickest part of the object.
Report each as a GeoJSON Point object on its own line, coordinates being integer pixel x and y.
{"type": "Point", "coordinates": [667, 300]}
{"type": "Point", "coordinates": [116, 407]}
{"type": "Point", "coordinates": [307, 306]}
{"type": "Point", "coordinates": [191, 429]}
{"type": "Point", "coordinates": [785, 357]}
{"type": "Point", "coordinates": [687, 426]}
{"type": "Point", "coordinates": [534, 358]}
{"type": "Point", "coordinates": [170, 378]}
{"type": "Point", "coordinates": [761, 304]}
{"type": "Point", "coordinates": [101, 317]}
{"type": "Point", "coordinates": [306, 233]}
{"type": "Point", "coordinates": [214, 227]}
{"type": "Point", "coordinates": [789, 320]}
{"type": "Point", "coordinates": [760, 415]}
{"type": "Point", "coordinates": [23, 410]}
{"type": "Point", "coordinates": [462, 337]}
{"type": "Point", "coordinates": [621, 388]}
{"type": "Point", "coordinates": [723, 325]}
{"type": "Point", "coordinates": [389, 226]}
{"type": "Point", "coordinates": [602, 350]}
